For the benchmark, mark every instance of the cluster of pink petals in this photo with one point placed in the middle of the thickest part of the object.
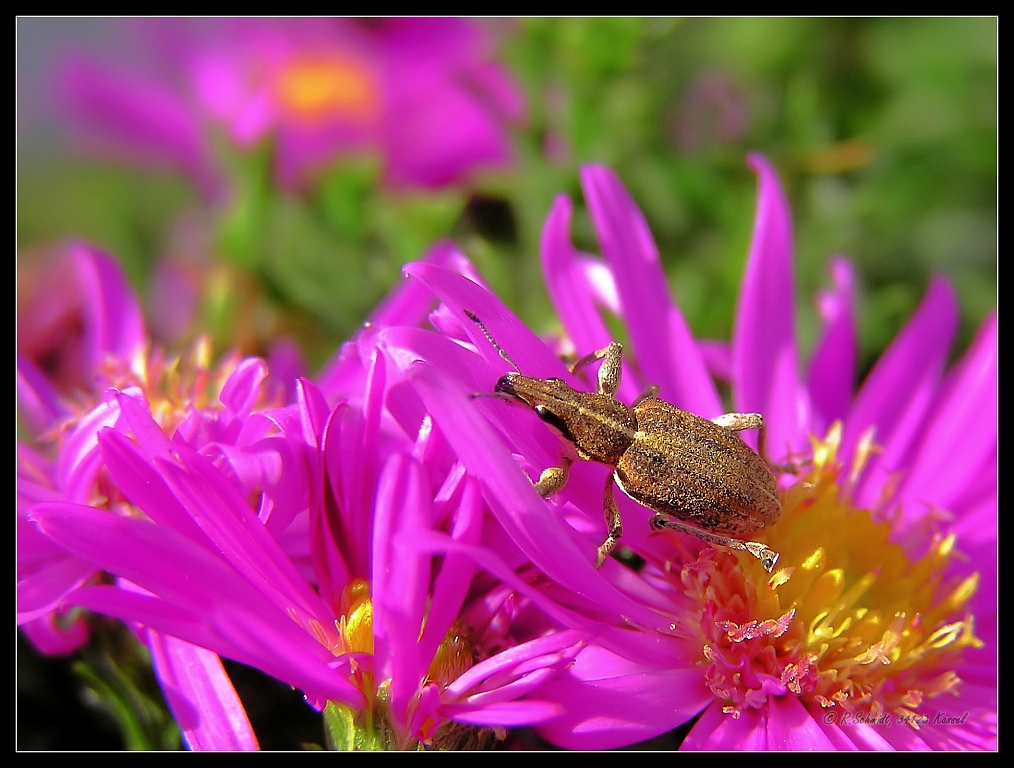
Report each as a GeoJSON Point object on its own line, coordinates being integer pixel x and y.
{"type": "Point", "coordinates": [425, 96]}
{"type": "Point", "coordinates": [632, 685]}
{"type": "Point", "coordinates": [67, 327]}
{"type": "Point", "coordinates": [239, 534]}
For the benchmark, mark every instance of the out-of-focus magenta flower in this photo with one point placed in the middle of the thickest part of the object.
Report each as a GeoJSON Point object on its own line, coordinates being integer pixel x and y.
{"type": "Point", "coordinates": [713, 113]}
{"type": "Point", "coordinates": [878, 630]}
{"type": "Point", "coordinates": [421, 93]}
{"type": "Point", "coordinates": [82, 352]}
{"type": "Point", "coordinates": [75, 312]}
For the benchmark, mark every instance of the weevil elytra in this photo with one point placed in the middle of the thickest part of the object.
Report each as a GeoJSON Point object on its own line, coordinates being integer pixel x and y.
{"type": "Point", "coordinates": [697, 475]}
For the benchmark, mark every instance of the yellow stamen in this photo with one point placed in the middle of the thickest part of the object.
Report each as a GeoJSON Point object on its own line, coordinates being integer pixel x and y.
{"type": "Point", "coordinates": [318, 87]}
{"type": "Point", "coordinates": [373, 728]}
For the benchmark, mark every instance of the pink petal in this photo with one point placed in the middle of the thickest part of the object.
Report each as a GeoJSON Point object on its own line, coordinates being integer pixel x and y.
{"type": "Point", "coordinates": [554, 648]}
{"type": "Point", "coordinates": [960, 434]}
{"type": "Point", "coordinates": [718, 731]}
{"type": "Point", "coordinates": [609, 702]}
{"type": "Point", "coordinates": [55, 635]}
{"type": "Point", "coordinates": [243, 387]}
{"type": "Point", "coordinates": [114, 324]}
{"type": "Point", "coordinates": [438, 543]}
{"type": "Point", "coordinates": [852, 736]}
{"type": "Point", "coordinates": [201, 696]}
{"type": "Point", "coordinates": [138, 420]}
{"type": "Point", "coordinates": [565, 274]}
{"type": "Point", "coordinates": [531, 355]}
{"type": "Point", "coordinates": [455, 576]}
{"type": "Point", "coordinates": [38, 401]}
{"type": "Point", "coordinates": [79, 461]}
{"type": "Point", "coordinates": [832, 370]}
{"type": "Point", "coordinates": [765, 375]}
{"type": "Point", "coordinates": [140, 482]}
{"type": "Point", "coordinates": [313, 411]}
{"type": "Point", "coordinates": [41, 592]}
{"type": "Point", "coordinates": [400, 579]}
{"type": "Point", "coordinates": [666, 351]}
{"type": "Point", "coordinates": [201, 600]}
{"type": "Point", "coordinates": [350, 517]}
{"type": "Point", "coordinates": [326, 539]}
{"type": "Point", "coordinates": [504, 714]}
{"type": "Point", "coordinates": [238, 536]}
{"type": "Point", "coordinates": [790, 727]}
{"type": "Point", "coordinates": [895, 396]}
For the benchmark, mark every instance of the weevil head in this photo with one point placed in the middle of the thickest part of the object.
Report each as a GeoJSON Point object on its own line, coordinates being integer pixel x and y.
{"type": "Point", "coordinates": [505, 385]}
{"type": "Point", "coordinates": [534, 393]}
{"type": "Point", "coordinates": [524, 388]}
{"type": "Point", "coordinates": [599, 426]}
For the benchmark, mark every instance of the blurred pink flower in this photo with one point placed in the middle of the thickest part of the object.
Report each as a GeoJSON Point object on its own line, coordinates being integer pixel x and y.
{"type": "Point", "coordinates": [339, 548]}
{"type": "Point", "coordinates": [75, 312]}
{"type": "Point", "coordinates": [83, 352]}
{"type": "Point", "coordinates": [713, 113]}
{"type": "Point", "coordinates": [421, 93]}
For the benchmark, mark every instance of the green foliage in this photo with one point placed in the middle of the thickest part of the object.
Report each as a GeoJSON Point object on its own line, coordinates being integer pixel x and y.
{"type": "Point", "coordinates": [83, 704]}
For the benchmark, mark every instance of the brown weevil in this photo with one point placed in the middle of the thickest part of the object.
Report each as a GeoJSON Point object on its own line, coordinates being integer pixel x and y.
{"type": "Point", "coordinates": [697, 475]}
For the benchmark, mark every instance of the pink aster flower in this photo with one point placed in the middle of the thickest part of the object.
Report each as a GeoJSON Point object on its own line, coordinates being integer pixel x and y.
{"type": "Point", "coordinates": [204, 569]}
{"type": "Point", "coordinates": [82, 353]}
{"type": "Point", "coordinates": [75, 311]}
{"type": "Point", "coordinates": [339, 548]}
{"type": "Point", "coordinates": [878, 628]}
{"type": "Point", "coordinates": [422, 93]}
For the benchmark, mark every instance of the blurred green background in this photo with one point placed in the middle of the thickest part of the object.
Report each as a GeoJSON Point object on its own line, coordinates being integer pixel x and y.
{"type": "Point", "coordinates": [883, 130]}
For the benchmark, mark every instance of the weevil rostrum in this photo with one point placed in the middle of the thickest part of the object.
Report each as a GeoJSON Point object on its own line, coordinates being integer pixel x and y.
{"type": "Point", "coordinates": [697, 475]}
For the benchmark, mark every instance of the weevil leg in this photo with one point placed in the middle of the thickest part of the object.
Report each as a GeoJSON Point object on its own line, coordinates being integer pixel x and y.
{"type": "Point", "coordinates": [609, 371]}
{"type": "Point", "coordinates": [768, 557]}
{"type": "Point", "coordinates": [737, 422]}
{"type": "Point", "coordinates": [614, 525]}
{"type": "Point", "coordinates": [553, 479]}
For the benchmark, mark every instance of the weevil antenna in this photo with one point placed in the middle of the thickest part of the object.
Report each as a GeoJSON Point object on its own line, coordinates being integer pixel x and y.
{"type": "Point", "coordinates": [489, 337]}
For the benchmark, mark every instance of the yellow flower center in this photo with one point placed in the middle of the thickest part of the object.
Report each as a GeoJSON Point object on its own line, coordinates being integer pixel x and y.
{"type": "Point", "coordinates": [372, 728]}
{"type": "Point", "coordinates": [848, 621]}
{"type": "Point", "coordinates": [174, 388]}
{"type": "Point", "coordinates": [453, 656]}
{"type": "Point", "coordinates": [356, 622]}
{"type": "Point", "coordinates": [318, 87]}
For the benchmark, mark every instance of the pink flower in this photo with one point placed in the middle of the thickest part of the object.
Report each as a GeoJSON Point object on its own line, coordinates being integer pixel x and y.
{"type": "Point", "coordinates": [339, 548]}
{"type": "Point", "coordinates": [76, 311]}
{"type": "Point", "coordinates": [422, 93]}
{"type": "Point", "coordinates": [82, 353]}
{"type": "Point", "coordinates": [883, 607]}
